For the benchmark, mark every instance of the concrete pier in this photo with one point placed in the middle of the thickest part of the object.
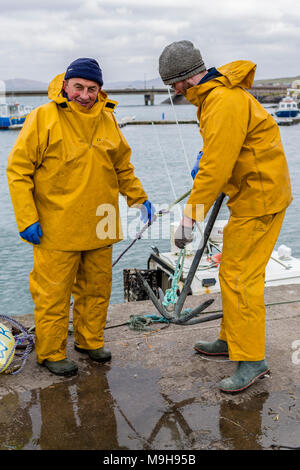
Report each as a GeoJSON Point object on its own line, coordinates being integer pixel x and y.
{"type": "Point", "coordinates": [157, 392]}
{"type": "Point", "coordinates": [149, 99]}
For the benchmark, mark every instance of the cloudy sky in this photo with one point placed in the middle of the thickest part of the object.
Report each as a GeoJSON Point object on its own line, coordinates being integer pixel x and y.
{"type": "Point", "coordinates": [39, 38]}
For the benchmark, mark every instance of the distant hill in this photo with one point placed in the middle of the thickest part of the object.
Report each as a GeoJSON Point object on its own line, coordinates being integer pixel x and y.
{"type": "Point", "coordinates": [24, 84]}
{"type": "Point", "coordinates": [276, 81]}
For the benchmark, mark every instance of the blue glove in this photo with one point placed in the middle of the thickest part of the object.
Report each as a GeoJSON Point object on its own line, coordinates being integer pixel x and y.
{"type": "Point", "coordinates": [32, 233]}
{"type": "Point", "coordinates": [196, 166]}
{"type": "Point", "coordinates": [147, 212]}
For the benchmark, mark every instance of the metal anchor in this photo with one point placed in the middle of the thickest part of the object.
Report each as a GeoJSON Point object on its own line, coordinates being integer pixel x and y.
{"type": "Point", "coordinates": [187, 317]}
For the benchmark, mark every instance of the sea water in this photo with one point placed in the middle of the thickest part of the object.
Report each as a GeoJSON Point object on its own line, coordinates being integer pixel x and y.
{"type": "Point", "coordinates": [162, 156]}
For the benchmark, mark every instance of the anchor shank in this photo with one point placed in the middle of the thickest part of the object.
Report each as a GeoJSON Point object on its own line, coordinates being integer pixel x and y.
{"type": "Point", "coordinates": [198, 255]}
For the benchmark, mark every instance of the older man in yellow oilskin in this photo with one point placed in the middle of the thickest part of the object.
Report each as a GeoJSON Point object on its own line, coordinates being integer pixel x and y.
{"type": "Point", "coordinates": [65, 172]}
{"type": "Point", "coordinates": [243, 157]}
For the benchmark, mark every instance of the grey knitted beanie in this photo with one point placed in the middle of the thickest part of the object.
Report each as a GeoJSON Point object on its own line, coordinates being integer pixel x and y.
{"type": "Point", "coordinates": [178, 61]}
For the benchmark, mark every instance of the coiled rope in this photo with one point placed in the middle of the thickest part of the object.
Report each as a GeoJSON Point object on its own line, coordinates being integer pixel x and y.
{"type": "Point", "coordinates": [143, 322]}
{"type": "Point", "coordinates": [23, 340]}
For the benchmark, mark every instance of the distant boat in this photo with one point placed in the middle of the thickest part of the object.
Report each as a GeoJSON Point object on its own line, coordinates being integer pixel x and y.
{"type": "Point", "coordinates": [12, 116]}
{"type": "Point", "coordinates": [287, 108]}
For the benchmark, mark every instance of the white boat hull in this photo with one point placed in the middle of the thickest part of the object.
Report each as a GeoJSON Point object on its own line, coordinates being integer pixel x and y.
{"type": "Point", "coordinates": [278, 272]}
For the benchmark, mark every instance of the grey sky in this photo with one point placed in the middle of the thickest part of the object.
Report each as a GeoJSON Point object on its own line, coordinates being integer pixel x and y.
{"type": "Point", "coordinates": [40, 38]}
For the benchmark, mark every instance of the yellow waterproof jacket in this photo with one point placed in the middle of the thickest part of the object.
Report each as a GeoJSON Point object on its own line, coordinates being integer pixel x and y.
{"type": "Point", "coordinates": [242, 153]}
{"type": "Point", "coordinates": [66, 170]}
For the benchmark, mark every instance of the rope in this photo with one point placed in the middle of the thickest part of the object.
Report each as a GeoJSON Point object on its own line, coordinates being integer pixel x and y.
{"type": "Point", "coordinates": [283, 302]}
{"type": "Point", "coordinates": [20, 341]}
{"type": "Point", "coordinates": [143, 322]}
{"type": "Point", "coordinates": [171, 295]}
{"type": "Point", "coordinates": [137, 237]}
{"type": "Point", "coordinates": [147, 225]}
{"type": "Point", "coordinates": [179, 131]}
{"type": "Point", "coordinates": [164, 160]}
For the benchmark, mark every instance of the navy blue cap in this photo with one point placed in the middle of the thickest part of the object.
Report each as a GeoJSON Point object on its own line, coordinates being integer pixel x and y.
{"type": "Point", "coordinates": [85, 68]}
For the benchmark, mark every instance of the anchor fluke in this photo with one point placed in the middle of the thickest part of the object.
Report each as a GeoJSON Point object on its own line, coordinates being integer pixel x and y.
{"type": "Point", "coordinates": [188, 314]}
{"type": "Point", "coordinates": [152, 296]}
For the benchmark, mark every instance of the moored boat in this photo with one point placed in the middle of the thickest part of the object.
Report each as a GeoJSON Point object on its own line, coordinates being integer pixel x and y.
{"type": "Point", "coordinates": [13, 115]}
{"type": "Point", "coordinates": [282, 268]}
{"type": "Point", "coordinates": [287, 108]}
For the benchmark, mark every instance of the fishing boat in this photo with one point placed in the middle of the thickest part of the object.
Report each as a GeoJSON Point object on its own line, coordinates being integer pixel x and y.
{"type": "Point", "coordinates": [282, 268]}
{"type": "Point", "coordinates": [287, 108]}
{"type": "Point", "coordinates": [13, 115]}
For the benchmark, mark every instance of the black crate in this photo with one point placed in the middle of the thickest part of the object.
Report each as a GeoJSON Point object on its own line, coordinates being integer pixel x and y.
{"type": "Point", "coordinates": [134, 290]}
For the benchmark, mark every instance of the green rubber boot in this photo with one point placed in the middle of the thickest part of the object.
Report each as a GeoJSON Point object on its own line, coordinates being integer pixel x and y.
{"type": "Point", "coordinates": [62, 367]}
{"type": "Point", "coordinates": [215, 348]}
{"type": "Point", "coordinates": [98, 355]}
{"type": "Point", "coordinates": [246, 374]}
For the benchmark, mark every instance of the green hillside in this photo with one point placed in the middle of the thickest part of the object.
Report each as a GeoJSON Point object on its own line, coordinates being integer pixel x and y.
{"type": "Point", "coordinates": [273, 81]}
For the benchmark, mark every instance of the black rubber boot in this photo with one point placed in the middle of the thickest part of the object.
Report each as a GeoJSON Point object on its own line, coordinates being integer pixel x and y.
{"type": "Point", "coordinates": [98, 355]}
{"type": "Point", "coordinates": [214, 348]}
{"type": "Point", "coordinates": [62, 367]}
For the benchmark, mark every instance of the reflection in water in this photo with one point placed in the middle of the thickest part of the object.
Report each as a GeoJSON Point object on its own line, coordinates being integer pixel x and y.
{"type": "Point", "coordinates": [241, 424]}
{"type": "Point", "coordinates": [113, 408]}
{"type": "Point", "coordinates": [78, 414]}
{"type": "Point", "coordinates": [173, 420]}
{"type": "Point", "coordinates": [16, 425]}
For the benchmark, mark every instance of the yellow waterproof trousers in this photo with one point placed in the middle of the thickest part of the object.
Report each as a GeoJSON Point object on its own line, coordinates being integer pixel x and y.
{"type": "Point", "coordinates": [87, 275]}
{"type": "Point", "coordinates": [247, 247]}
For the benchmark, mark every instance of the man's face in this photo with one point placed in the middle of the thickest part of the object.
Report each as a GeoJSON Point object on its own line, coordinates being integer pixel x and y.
{"type": "Point", "coordinates": [181, 87]}
{"type": "Point", "coordinates": [82, 91]}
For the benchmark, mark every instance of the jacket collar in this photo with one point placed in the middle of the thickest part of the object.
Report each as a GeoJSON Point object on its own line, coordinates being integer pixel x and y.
{"type": "Point", "coordinates": [239, 73]}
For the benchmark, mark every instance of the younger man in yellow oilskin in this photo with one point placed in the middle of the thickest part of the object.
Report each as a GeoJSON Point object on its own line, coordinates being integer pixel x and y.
{"type": "Point", "coordinates": [242, 157]}
{"type": "Point", "coordinates": [68, 165]}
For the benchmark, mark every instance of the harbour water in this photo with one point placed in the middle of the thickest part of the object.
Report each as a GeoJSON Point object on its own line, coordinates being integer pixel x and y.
{"type": "Point", "coordinates": [153, 147]}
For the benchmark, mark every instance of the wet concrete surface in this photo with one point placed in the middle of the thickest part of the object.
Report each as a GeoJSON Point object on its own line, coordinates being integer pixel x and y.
{"type": "Point", "coordinates": [157, 393]}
